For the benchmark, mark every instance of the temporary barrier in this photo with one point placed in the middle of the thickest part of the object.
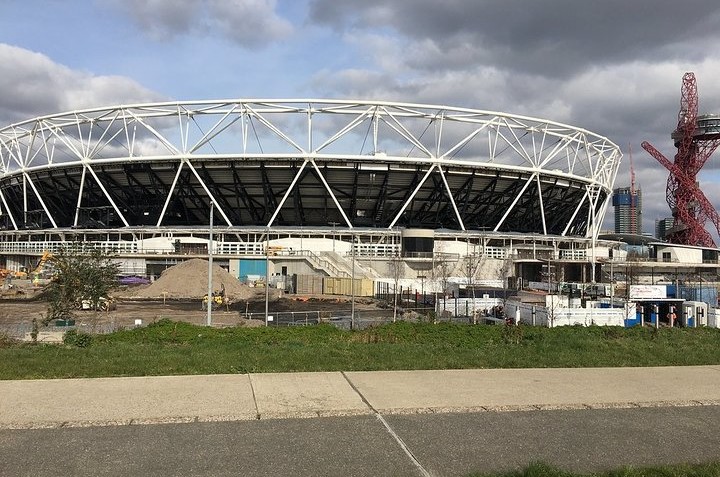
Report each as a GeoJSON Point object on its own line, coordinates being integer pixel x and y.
{"type": "Point", "coordinates": [308, 284]}
{"type": "Point", "coordinates": [343, 286]}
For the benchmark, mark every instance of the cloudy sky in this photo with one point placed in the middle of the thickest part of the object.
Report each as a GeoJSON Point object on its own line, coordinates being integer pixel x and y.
{"type": "Point", "coordinates": [614, 67]}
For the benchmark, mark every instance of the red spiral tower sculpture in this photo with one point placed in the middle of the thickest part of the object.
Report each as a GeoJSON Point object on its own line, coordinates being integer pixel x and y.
{"type": "Point", "coordinates": [696, 138]}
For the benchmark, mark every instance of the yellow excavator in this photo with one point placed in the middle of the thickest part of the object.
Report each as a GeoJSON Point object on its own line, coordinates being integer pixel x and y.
{"type": "Point", "coordinates": [216, 300]}
{"type": "Point", "coordinates": [4, 273]}
{"type": "Point", "coordinates": [36, 274]}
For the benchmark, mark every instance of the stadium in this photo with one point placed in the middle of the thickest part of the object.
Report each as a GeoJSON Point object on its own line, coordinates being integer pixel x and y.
{"type": "Point", "coordinates": [313, 181]}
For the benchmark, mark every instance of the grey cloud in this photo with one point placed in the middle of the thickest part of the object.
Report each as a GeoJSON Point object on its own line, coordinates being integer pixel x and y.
{"type": "Point", "coordinates": [553, 38]}
{"type": "Point", "coordinates": [162, 19]}
{"type": "Point", "coordinates": [249, 23]}
{"type": "Point", "coordinates": [34, 85]}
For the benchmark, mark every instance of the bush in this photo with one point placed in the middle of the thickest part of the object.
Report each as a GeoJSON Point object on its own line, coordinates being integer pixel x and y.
{"type": "Point", "coordinates": [77, 338]}
{"type": "Point", "coordinates": [512, 334]}
{"type": "Point", "coordinates": [6, 341]}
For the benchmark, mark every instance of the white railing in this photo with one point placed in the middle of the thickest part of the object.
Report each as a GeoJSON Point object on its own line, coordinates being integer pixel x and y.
{"type": "Point", "coordinates": [381, 250]}
{"type": "Point", "coordinates": [573, 254]}
{"type": "Point", "coordinates": [495, 252]}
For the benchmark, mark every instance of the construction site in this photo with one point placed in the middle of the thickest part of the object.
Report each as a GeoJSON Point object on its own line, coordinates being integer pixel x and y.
{"type": "Point", "coordinates": [367, 214]}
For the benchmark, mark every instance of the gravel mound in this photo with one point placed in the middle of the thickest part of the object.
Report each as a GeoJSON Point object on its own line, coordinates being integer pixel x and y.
{"type": "Point", "coordinates": [189, 279]}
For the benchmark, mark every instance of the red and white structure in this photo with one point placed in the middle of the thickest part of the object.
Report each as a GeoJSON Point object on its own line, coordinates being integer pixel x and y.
{"type": "Point", "coordinates": [696, 138]}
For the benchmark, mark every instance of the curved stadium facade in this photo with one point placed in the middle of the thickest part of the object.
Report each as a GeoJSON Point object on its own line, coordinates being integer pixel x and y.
{"type": "Point", "coordinates": [298, 168]}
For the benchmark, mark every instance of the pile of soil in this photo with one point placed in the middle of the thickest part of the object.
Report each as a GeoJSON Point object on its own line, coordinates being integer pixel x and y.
{"type": "Point", "coordinates": [189, 279]}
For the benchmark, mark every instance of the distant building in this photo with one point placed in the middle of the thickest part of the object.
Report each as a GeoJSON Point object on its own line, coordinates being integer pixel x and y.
{"type": "Point", "coordinates": [662, 226]}
{"type": "Point", "coordinates": [628, 210]}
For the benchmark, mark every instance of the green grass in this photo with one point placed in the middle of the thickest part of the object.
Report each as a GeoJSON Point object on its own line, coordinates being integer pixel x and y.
{"type": "Point", "coordinates": [167, 348]}
{"type": "Point", "coordinates": [684, 470]}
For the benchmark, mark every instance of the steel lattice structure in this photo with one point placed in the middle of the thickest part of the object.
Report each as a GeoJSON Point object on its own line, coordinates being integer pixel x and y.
{"type": "Point", "coordinates": [303, 163]}
{"type": "Point", "coordinates": [696, 138]}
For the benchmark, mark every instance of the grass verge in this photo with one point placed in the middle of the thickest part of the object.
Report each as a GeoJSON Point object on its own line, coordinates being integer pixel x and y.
{"type": "Point", "coordinates": [544, 470]}
{"type": "Point", "coordinates": [174, 348]}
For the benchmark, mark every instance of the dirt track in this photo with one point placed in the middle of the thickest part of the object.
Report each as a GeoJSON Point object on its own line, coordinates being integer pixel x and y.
{"type": "Point", "coordinates": [21, 311]}
{"type": "Point", "coordinates": [182, 287]}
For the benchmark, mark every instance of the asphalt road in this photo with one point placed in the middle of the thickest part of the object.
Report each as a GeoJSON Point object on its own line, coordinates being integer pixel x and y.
{"type": "Point", "coordinates": [446, 444]}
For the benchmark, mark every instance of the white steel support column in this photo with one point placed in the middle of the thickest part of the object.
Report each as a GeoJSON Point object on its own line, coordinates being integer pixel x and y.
{"type": "Point", "coordinates": [574, 215]}
{"type": "Point", "coordinates": [514, 202]}
{"type": "Point", "coordinates": [80, 194]}
{"type": "Point", "coordinates": [112, 202]}
{"type": "Point", "coordinates": [25, 199]}
{"type": "Point", "coordinates": [210, 196]}
{"type": "Point", "coordinates": [412, 196]}
{"type": "Point", "coordinates": [593, 220]}
{"type": "Point", "coordinates": [12, 219]}
{"type": "Point", "coordinates": [287, 193]}
{"type": "Point", "coordinates": [170, 193]}
{"type": "Point", "coordinates": [542, 205]}
{"type": "Point", "coordinates": [327, 187]}
{"type": "Point", "coordinates": [452, 199]}
{"type": "Point", "coordinates": [39, 197]}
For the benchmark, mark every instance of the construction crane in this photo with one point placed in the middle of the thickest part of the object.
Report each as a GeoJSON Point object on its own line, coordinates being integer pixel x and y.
{"type": "Point", "coordinates": [696, 138]}
{"type": "Point", "coordinates": [633, 196]}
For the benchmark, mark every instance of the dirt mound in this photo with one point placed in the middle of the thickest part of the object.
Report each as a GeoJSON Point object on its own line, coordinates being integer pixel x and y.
{"type": "Point", "coordinates": [189, 279]}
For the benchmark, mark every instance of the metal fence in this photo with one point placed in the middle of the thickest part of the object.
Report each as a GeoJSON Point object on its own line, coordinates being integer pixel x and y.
{"type": "Point", "coordinates": [21, 331]}
{"type": "Point", "coordinates": [342, 319]}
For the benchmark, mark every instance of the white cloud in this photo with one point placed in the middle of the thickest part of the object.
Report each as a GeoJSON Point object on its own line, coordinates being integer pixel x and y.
{"type": "Point", "coordinates": [34, 85]}
{"type": "Point", "coordinates": [249, 23]}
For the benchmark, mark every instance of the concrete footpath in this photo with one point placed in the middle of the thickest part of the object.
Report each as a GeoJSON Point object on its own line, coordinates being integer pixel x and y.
{"type": "Point", "coordinates": [58, 403]}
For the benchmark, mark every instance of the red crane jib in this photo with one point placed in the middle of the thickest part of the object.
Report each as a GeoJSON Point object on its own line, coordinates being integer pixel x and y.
{"type": "Point", "coordinates": [688, 203]}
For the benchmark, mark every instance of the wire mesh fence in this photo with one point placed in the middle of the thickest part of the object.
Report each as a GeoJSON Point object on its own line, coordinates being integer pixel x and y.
{"type": "Point", "coordinates": [22, 331]}
{"type": "Point", "coordinates": [341, 318]}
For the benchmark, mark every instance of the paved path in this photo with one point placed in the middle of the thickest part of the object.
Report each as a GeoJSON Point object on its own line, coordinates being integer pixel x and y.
{"type": "Point", "coordinates": [442, 444]}
{"type": "Point", "coordinates": [164, 399]}
{"type": "Point", "coordinates": [415, 423]}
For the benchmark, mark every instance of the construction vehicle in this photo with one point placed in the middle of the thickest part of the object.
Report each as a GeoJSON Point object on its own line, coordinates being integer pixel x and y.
{"type": "Point", "coordinates": [40, 270]}
{"type": "Point", "coordinates": [216, 300]}
{"type": "Point", "coordinates": [102, 304]}
{"type": "Point", "coordinates": [5, 273]}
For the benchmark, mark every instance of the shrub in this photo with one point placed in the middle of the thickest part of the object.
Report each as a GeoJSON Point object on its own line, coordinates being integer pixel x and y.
{"type": "Point", "coordinates": [77, 338]}
{"type": "Point", "coordinates": [512, 334]}
{"type": "Point", "coordinates": [6, 341]}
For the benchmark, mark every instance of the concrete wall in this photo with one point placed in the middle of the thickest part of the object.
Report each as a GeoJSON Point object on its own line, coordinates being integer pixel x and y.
{"type": "Point", "coordinates": [680, 254]}
{"type": "Point", "coordinates": [294, 267]}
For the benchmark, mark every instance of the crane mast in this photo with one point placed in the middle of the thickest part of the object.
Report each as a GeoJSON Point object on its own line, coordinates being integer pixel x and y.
{"type": "Point", "coordinates": [633, 196]}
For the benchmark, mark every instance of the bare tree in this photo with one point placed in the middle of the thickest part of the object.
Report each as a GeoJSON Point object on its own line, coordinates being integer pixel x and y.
{"type": "Point", "coordinates": [441, 272]}
{"type": "Point", "coordinates": [396, 267]}
{"type": "Point", "coordinates": [504, 272]}
{"type": "Point", "coordinates": [472, 266]}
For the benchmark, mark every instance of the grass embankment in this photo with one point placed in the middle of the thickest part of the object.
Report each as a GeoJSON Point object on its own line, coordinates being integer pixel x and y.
{"type": "Point", "coordinates": [542, 470]}
{"type": "Point", "coordinates": [167, 348]}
